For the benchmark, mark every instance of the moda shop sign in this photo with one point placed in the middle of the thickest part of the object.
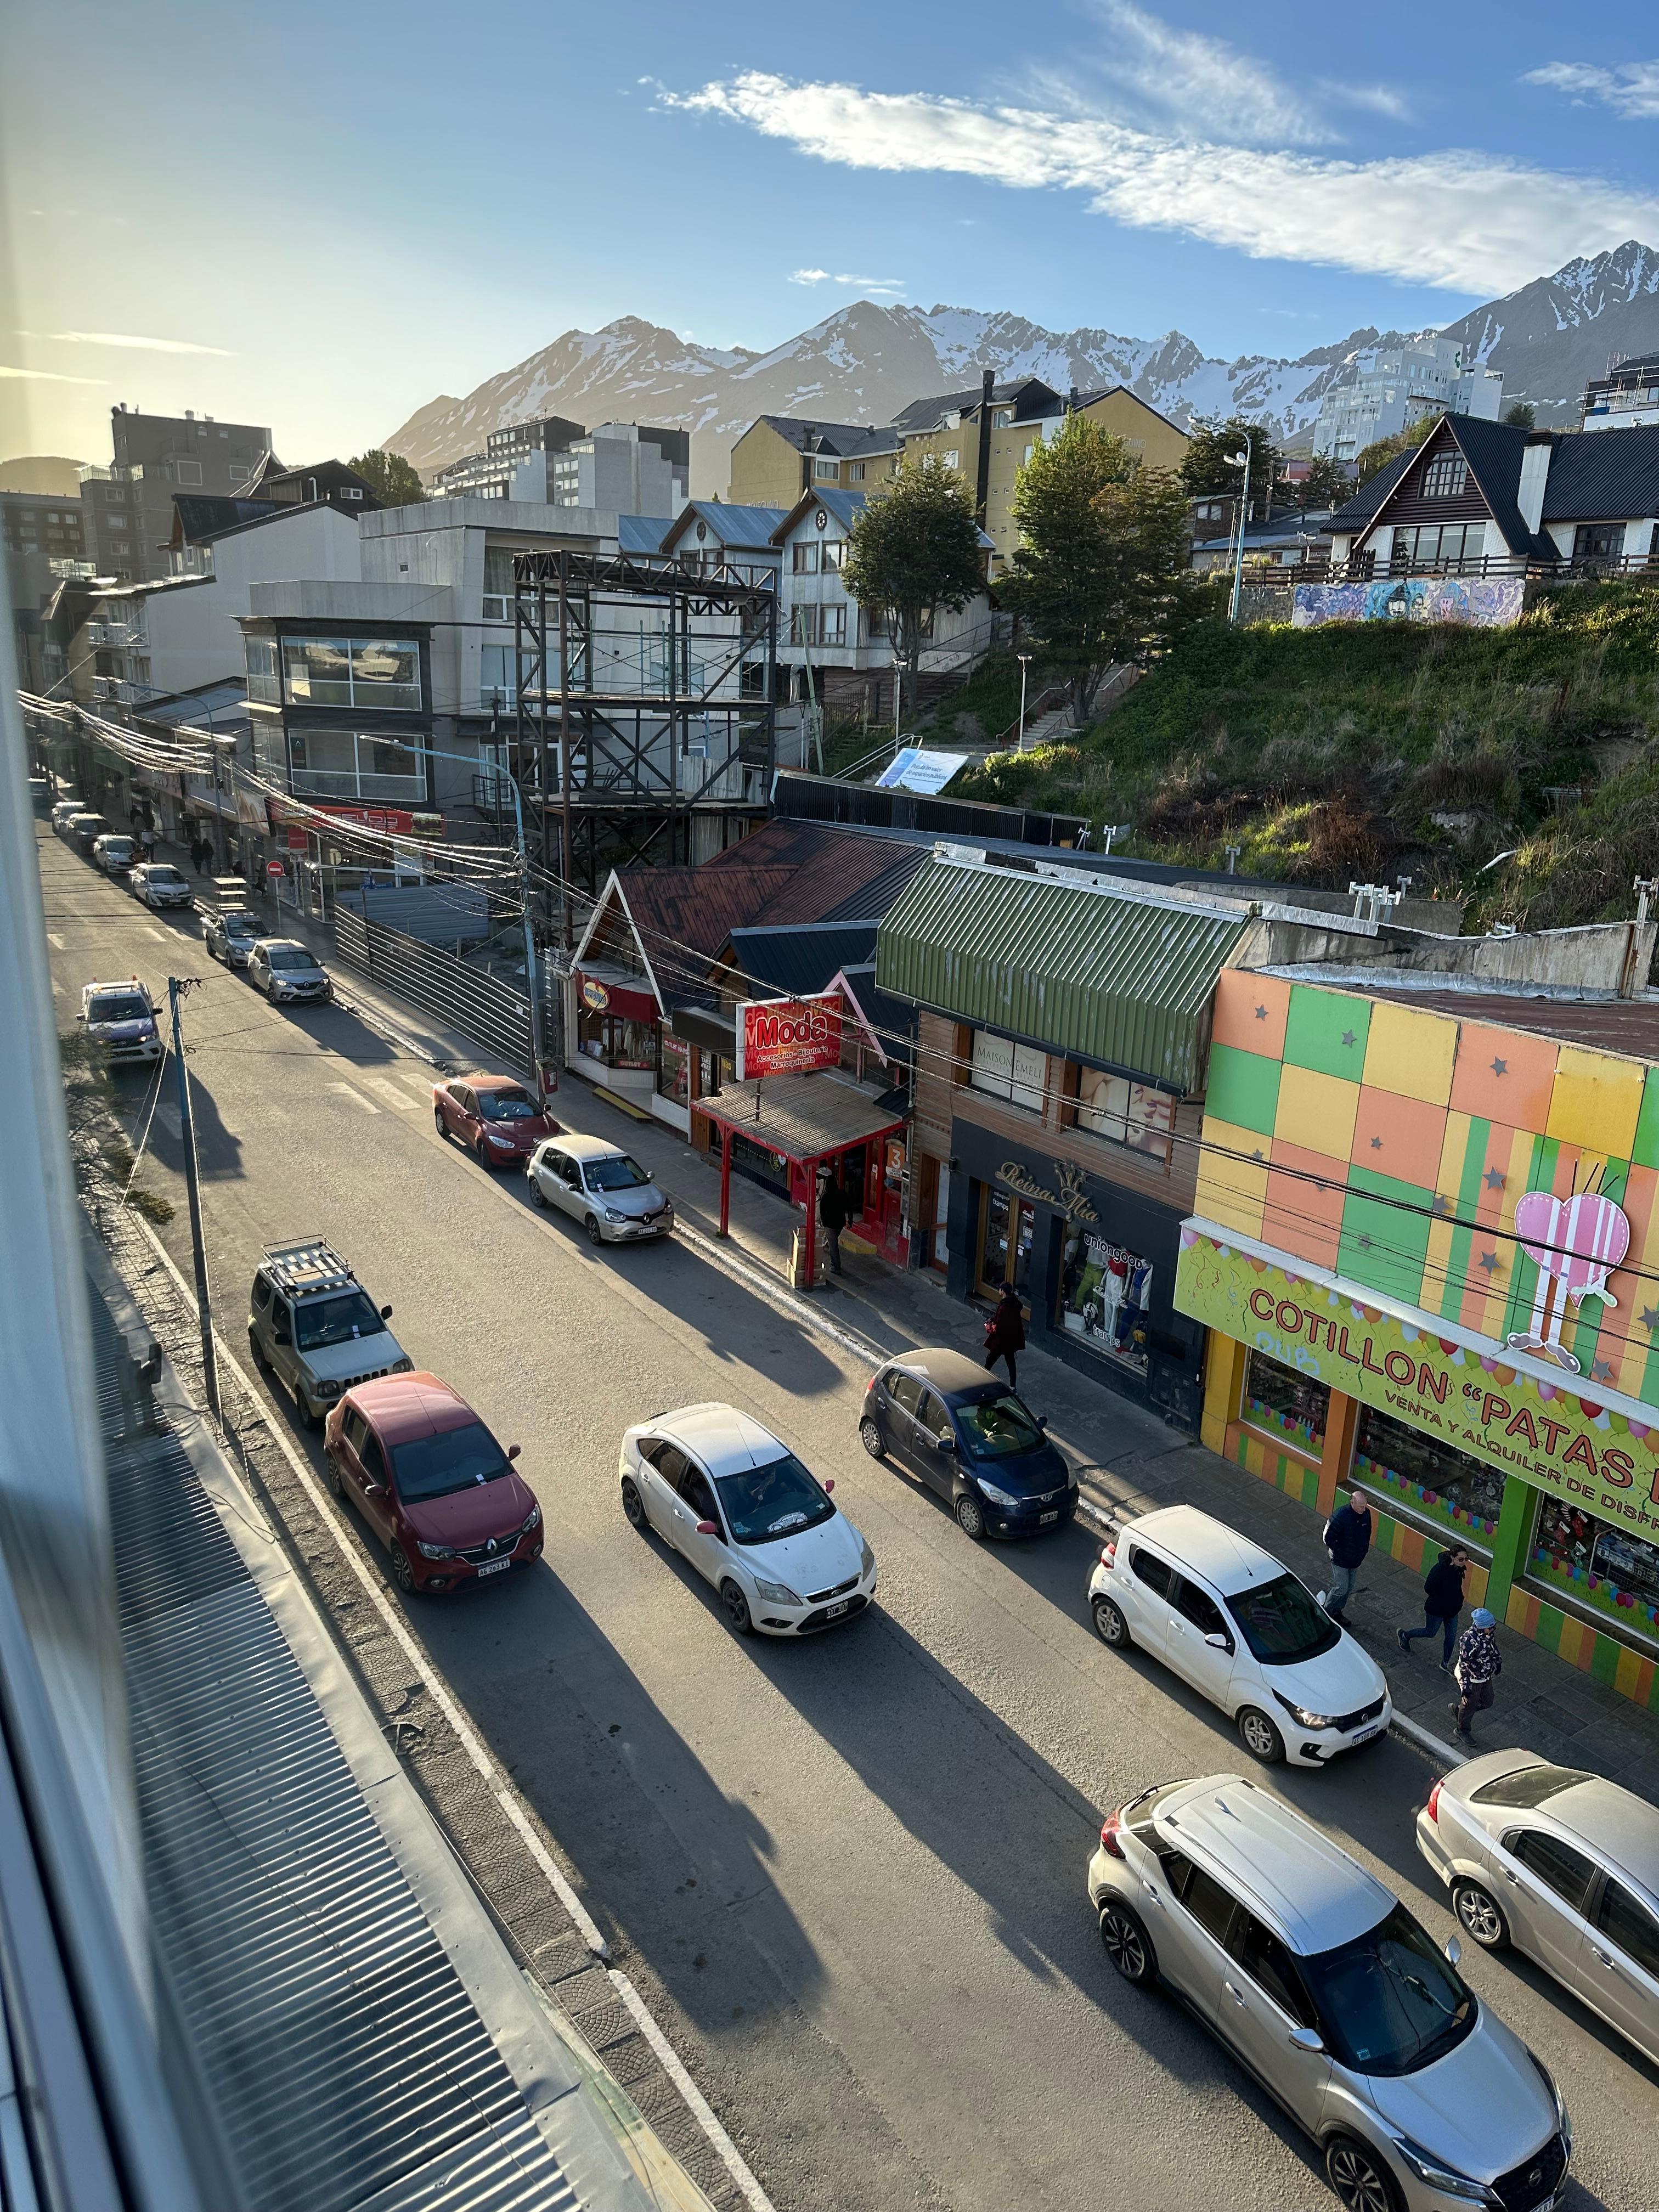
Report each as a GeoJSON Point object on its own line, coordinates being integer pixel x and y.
{"type": "Point", "coordinates": [1469, 1391]}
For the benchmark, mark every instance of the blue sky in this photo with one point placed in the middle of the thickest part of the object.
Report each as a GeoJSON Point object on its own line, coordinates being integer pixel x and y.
{"type": "Point", "coordinates": [320, 216]}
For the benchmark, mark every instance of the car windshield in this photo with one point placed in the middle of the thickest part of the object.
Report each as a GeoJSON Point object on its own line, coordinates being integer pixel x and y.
{"type": "Point", "coordinates": [507, 1106]}
{"type": "Point", "coordinates": [1389, 2002]}
{"type": "Point", "coordinates": [289, 957]}
{"type": "Point", "coordinates": [238, 924]}
{"type": "Point", "coordinates": [997, 1426]}
{"type": "Point", "coordinates": [119, 1007]}
{"type": "Point", "coordinates": [1530, 1787]}
{"type": "Point", "coordinates": [1283, 1622]}
{"type": "Point", "coordinates": [117, 849]}
{"type": "Point", "coordinates": [455, 1459]}
{"type": "Point", "coordinates": [765, 1504]}
{"type": "Point", "coordinates": [618, 1172]}
{"type": "Point", "coordinates": [162, 874]}
{"type": "Point", "coordinates": [320, 1322]}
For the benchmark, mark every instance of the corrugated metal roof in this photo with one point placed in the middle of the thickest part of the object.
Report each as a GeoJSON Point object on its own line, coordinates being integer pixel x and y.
{"type": "Point", "coordinates": [1127, 981]}
{"type": "Point", "coordinates": [802, 958]}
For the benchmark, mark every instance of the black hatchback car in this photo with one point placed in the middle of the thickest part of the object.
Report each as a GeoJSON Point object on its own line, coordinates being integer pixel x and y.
{"type": "Point", "coordinates": [970, 1438]}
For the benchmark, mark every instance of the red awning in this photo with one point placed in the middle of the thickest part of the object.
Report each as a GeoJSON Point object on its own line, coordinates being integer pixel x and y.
{"type": "Point", "coordinates": [632, 1004]}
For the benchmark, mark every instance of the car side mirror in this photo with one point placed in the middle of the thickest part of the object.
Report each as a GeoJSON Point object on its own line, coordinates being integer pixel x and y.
{"type": "Point", "coordinates": [1306, 2039]}
{"type": "Point", "coordinates": [512, 1450]}
{"type": "Point", "coordinates": [80, 1017]}
{"type": "Point", "coordinates": [374, 1490]}
{"type": "Point", "coordinates": [709, 1527]}
{"type": "Point", "coordinates": [944, 1444]}
{"type": "Point", "coordinates": [1219, 1643]}
{"type": "Point", "coordinates": [385, 1313]}
{"type": "Point", "coordinates": [1454, 1951]}
{"type": "Point", "coordinates": [830, 1483]}
{"type": "Point", "coordinates": [1042, 1420]}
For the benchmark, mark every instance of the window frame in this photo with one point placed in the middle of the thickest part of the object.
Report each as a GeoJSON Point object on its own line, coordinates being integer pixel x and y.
{"type": "Point", "coordinates": [1301, 2014]}
{"type": "Point", "coordinates": [1613, 1887]}
{"type": "Point", "coordinates": [1138, 1551]}
{"type": "Point", "coordinates": [1515, 1838]}
{"type": "Point", "coordinates": [1446, 475]}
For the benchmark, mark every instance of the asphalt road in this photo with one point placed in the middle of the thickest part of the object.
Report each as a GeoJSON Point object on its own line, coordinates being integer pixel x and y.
{"type": "Point", "coordinates": [848, 1874]}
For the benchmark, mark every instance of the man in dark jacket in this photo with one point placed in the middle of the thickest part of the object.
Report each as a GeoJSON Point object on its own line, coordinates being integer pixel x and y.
{"type": "Point", "coordinates": [832, 1212]}
{"type": "Point", "coordinates": [1348, 1539]}
{"type": "Point", "coordinates": [1479, 1662]}
{"type": "Point", "coordinates": [1442, 1600]}
{"type": "Point", "coordinates": [1004, 1333]}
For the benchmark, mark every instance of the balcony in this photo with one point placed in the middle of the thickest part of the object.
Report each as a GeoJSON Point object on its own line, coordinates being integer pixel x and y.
{"type": "Point", "coordinates": [91, 472]}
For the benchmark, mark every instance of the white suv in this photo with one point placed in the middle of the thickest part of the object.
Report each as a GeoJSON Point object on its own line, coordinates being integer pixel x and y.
{"type": "Point", "coordinates": [1229, 1619]}
{"type": "Point", "coordinates": [1325, 1988]}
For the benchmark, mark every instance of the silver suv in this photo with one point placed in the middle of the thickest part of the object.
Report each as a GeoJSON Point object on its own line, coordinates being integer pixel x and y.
{"type": "Point", "coordinates": [312, 1325]}
{"type": "Point", "coordinates": [230, 934]}
{"type": "Point", "coordinates": [285, 970]}
{"type": "Point", "coordinates": [1321, 1982]}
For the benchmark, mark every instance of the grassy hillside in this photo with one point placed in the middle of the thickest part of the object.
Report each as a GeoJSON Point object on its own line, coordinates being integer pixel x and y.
{"type": "Point", "coordinates": [1370, 752]}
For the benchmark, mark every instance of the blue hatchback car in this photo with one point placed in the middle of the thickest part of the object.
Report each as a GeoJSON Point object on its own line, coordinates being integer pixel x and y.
{"type": "Point", "coordinates": [966, 1436]}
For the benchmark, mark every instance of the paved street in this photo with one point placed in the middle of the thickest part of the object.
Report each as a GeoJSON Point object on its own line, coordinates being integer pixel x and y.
{"type": "Point", "coordinates": [847, 1875]}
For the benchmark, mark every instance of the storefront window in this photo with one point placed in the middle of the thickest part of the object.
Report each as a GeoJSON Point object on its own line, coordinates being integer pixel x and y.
{"type": "Point", "coordinates": [1126, 1113]}
{"type": "Point", "coordinates": [1104, 1292]}
{"type": "Point", "coordinates": [1007, 1070]}
{"type": "Point", "coordinates": [1427, 1478]}
{"type": "Point", "coordinates": [1006, 1248]}
{"type": "Point", "coordinates": [940, 1254]}
{"type": "Point", "coordinates": [1290, 1406]}
{"type": "Point", "coordinates": [674, 1070]}
{"type": "Point", "coordinates": [615, 1041]}
{"type": "Point", "coordinates": [1605, 1567]}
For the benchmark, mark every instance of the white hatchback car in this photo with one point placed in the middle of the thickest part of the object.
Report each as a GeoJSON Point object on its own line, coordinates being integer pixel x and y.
{"type": "Point", "coordinates": [1244, 1631]}
{"type": "Point", "coordinates": [750, 1518]}
{"type": "Point", "coordinates": [601, 1185]}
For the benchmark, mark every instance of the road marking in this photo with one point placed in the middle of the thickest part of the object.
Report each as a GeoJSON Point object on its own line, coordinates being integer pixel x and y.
{"type": "Point", "coordinates": [166, 1113]}
{"type": "Point", "coordinates": [355, 1096]}
{"type": "Point", "coordinates": [160, 935]}
{"type": "Point", "coordinates": [438, 1690]}
{"type": "Point", "coordinates": [390, 1090]}
{"type": "Point", "coordinates": [52, 937]}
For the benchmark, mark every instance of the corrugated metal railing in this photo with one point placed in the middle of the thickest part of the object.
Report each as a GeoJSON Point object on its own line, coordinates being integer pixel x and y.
{"type": "Point", "coordinates": [481, 1006]}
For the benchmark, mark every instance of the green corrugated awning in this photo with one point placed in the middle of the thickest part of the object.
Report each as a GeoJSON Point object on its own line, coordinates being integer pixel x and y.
{"type": "Point", "coordinates": [1126, 979]}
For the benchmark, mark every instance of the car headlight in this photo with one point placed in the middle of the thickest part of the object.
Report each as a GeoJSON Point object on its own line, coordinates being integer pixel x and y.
{"type": "Point", "coordinates": [498, 1137]}
{"type": "Point", "coordinates": [867, 1558]}
{"type": "Point", "coordinates": [405, 1366]}
{"type": "Point", "coordinates": [328, 1390]}
{"type": "Point", "coordinates": [1302, 1716]}
{"type": "Point", "coordinates": [1435, 2174]}
{"type": "Point", "coordinates": [533, 1522]}
{"type": "Point", "coordinates": [1001, 1498]}
{"type": "Point", "coordinates": [775, 1593]}
{"type": "Point", "coordinates": [435, 1551]}
{"type": "Point", "coordinates": [612, 1214]}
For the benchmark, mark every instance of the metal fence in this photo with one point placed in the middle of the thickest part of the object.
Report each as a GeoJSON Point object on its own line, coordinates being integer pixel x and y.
{"type": "Point", "coordinates": [1373, 567]}
{"type": "Point", "coordinates": [482, 1007]}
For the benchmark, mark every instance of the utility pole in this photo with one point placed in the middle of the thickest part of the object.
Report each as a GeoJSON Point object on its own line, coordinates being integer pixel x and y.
{"type": "Point", "coordinates": [1241, 460]}
{"type": "Point", "coordinates": [1025, 660]}
{"type": "Point", "coordinates": [176, 986]}
{"type": "Point", "coordinates": [568, 840]}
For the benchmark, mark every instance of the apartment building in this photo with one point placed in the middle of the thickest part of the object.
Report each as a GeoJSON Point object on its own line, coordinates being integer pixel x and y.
{"type": "Point", "coordinates": [629, 468]}
{"type": "Point", "coordinates": [779, 457]}
{"type": "Point", "coordinates": [1396, 385]}
{"type": "Point", "coordinates": [45, 542]}
{"type": "Point", "coordinates": [1625, 398]}
{"type": "Point", "coordinates": [127, 507]}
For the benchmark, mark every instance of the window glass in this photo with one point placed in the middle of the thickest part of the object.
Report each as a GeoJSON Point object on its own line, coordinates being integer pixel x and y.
{"type": "Point", "coordinates": [1445, 476]}
{"type": "Point", "coordinates": [1626, 1921]}
{"type": "Point", "coordinates": [674, 1070]}
{"type": "Point", "coordinates": [1557, 1864]}
{"type": "Point", "coordinates": [1430, 1479]}
{"type": "Point", "coordinates": [385, 671]}
{"type": "Point", "coordinates": [1007, 1070]}
{"type": "Point", "coordinates": [1105, 1290]}
{"type": "Point", "coordinates": [1529, 1789]}
{"type": "Point", "coordinates": [905, 1391]}
{"type": "Point", "coordinates": [1198, 1607]}
{"type": "Point", "coordinates": [1282, 1624]}
{"type": "Point", "coordinates": [1133, 1113]}
{"type": "Point", "coordinates": [324, 1321]}
{"type": "Point", "coordinates": [1146, 1567]}
{"type": "Point", "coordinates": [806, 556]}
{"type": "Point", "coordinates": [834, 548]}
{"type": "Point", "coordinates": [1291, 1407]}
{"type": "Point", "coordinates": [506, 1104]}
{"type": "Point", "coordinates": [1391, 2002]}
{"type": "Point", "coordinates": [1599, 1564]}
{"type": "Point", "coordinates": [371, 1458]}
{"type": "Point", "coordinates": [1598, 541]}
{"type": "Point", "coordinates": [932, 1416]}
{"type": "Point", "coordinates": [671, 1463]}
{"type": "Point", "coordinates": [1210, 1906]}
{"type": "Point", "coordinates": [319, 670]}
{"type": "Point", "coordinates": [261, 1292]}
{"type": "Point", "coordinates": [356, 1428]}
{"type": "Point", "coordinates": [261, 668]}
{"type": "Point", "coordinates": [1005, 1248]}
{"type": "Point", "coordinates": [695, 1490]}
{"type": "Point", "coordinates": [764, 1504]}
{"type": "Point", "coordinates": [455, 1459]}
{"type": "Point", "coordinates": [615, 1172]}
{"type": "Point", "coordinates": [997, 1426]}
{"type": "Point", "coordinates": [1271, 1967]}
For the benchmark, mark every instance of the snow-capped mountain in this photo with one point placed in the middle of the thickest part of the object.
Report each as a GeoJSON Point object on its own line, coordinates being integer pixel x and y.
{"type": "Point", "coordinates": [865, 363]}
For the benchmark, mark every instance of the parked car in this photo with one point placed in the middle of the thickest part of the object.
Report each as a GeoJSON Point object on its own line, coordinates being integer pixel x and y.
{"type": "Point", "coordinates": [432, 1482]}
{"type": "Point", "coordinates": [1564, 1866]}
{"type": "Point", "coordinates": [63, 812]}
{"type": "Point", "coordinates": [121, 1016]}
{"type": "Point", "coordinates": [312, 1325]}
{"type": "Point", "coordinates": [113, 853]}
{"type": "Point", "coordinates": [284, 969]}
{"type": "Point", "coordinates": [1324, 1987]}
{"type": "Point", "coordinates": [494, 1116]}
{"type": "Point", "coordinates": [750, 1518]}
{"type": "Point", "coordinates": [83, 831]}
{"type": "Point", "coordinates": [41, 793]}
{"type": "Point", "coordinates": [159, 884]}
{"type": "Point", "coordinates": [230, 934]}
{"type": "Point", "coordinates": [971, 1440]}
{"type": "Point", "coordinates": [601, 1185]}
{"type": "Point", "coordinates": [1240, 1628]}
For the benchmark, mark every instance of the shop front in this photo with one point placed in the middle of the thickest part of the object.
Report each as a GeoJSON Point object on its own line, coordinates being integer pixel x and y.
{"type": "Point", "coordinates": [787, 1133]}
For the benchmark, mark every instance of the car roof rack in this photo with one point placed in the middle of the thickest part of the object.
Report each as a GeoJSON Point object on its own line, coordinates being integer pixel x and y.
{"type": "Point", "coordinates": [307, 1265]}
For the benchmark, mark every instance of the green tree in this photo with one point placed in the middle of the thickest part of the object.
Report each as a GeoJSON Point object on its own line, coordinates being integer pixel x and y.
{"type": "Point", "coordinates": [390, 478]}
{"type": "Point", "coordinates": [1102, 566]}
{"type": "Point", "coordinates": [912, 551]}
{"type": "Point", "coordinates": [1382, 451]}
{"type": "Point", "coordinates": [1523, 416]}
{"type": "Point", "coordinates": [1326, 484]}
{"type": "Point", "coordinates": [1208, 472]}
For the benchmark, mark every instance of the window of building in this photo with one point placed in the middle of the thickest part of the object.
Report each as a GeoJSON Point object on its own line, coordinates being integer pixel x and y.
{"type": "Point", "coordinates": [351, 491]}
{"type": "Point", "coordinates": [1427, 1480]}
{"type": "Point", "coordinates": [355, 765]}
{"type": "Point", "coordinates": [498, 582]}
{"type": "Point", "coordinates": [496, 683]}
{"type": "Point", "coordinates": [835, 553]}
{"type": "Point", "coordinates": [615, 1041]}
{"type": "Point", "coordinates": [188, 472]}
{"type": "Point", "coordinates": [855, 472]}
{"type": "Point", "coordinates": [826, 471]}
{"type": "Point", "coordinates": [262, 668]}
{"type": "Point", "coordinates": [1007, 1235]}
{"type": "Point", "coordinates": [674, 1070]}
{"type": "Point", "coordinates": [1292, 1408]}
{"type": "Point", "coordinates": [339, 671]}
{"type": "Point", "coordinates": [114, 495]}
{"type": "Point", "coordinates": [1133, 1113]}
{"type": "Point", "coordinates": [1003, 417]}
{"type": "Point", "coordinates": [953, 458]}
{"type": "Point", "coordinates": [832, 623]}
{"type": "Point", "coordinates": [806, 557]}
{"type": "Point", "coordinates": [1436, 544]}
{"type": "Point", "coordinates": [1598, 1564]}
{"type": "Point", "coordinates": [1598, 541]}
{"type": "Point", "coordinates": [1105, 1290]}
{"type": "Point", "coordinates": [1007, 1070]}
{"type": "Point", "coordinates": [1025, 458]}
{"type": "Point", "coordinates": [1445, 476]}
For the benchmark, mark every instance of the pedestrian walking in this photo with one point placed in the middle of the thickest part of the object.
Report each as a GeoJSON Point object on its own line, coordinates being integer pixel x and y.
{"type": "Point", "coordinates": [147, 839]}
{"type": "Point", "coordinates": [1004, 1333]}
{"type": "Point", "coordinates": [1442, 1601]}
{"type": "Point", "coordinates": [198, 852]}
{"type": "Point", "coordinates": [1476, 1670]}
{"type": "Point", "coordinates": [832, 1212]}
{"type": "Point", "coordinates": [1347, 1539]}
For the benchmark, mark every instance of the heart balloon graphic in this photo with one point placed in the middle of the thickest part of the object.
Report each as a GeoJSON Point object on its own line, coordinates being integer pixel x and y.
{"type": "Point", "coordinates": [1579, 1240]}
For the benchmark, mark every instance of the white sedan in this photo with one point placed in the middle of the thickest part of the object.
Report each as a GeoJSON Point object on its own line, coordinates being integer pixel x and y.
{"type": "Point", "coordinates": [752, 1521]}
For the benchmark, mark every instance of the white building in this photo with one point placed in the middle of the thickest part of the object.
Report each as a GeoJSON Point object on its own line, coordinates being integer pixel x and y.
{"type": "Point", "coordinates": [1394, 386]}
{"type": "Point", "coordinates": [1625, 398]}
{"type": "Point", "coordinates": [634, 468]}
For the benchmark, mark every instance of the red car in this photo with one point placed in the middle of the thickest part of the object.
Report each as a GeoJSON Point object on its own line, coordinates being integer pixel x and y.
{"type": "Point", "coordinates": [432, 1482]}
{"type": "Point", "coordinates": [495, 1117]}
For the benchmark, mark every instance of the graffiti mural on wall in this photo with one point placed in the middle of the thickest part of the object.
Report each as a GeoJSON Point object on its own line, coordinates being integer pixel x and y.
{"type": "Point", "coordinates": [1483, 602]}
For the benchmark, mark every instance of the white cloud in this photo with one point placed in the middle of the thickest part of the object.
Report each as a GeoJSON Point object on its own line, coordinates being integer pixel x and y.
{"type": "Point", "coordinates": [1379, 99]}
{"type": "Point", "coordinates": [1201, 84]}
{"type": "Point", "coordinates": [142, 345]}
{"type": "Point", "coordinates": [46, 376]}
{"type": "Point", "coordinates": [1464, 222]}
{"type": "Point", "coordinates": [1631, 90]}
{"type": "Point", "coordinates": [856, 283]}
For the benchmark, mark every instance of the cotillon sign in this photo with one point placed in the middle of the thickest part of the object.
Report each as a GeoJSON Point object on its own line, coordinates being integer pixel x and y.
{"type": "Point", "coordinates": [1463, 1389]}
{"type": "Point", "coordinates": [788, 1036]}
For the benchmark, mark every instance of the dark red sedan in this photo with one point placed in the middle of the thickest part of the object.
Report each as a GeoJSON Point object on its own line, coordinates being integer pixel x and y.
{"type": "Point", "coordinates": [494, 1116]}
{"type": "Point", "coordinates": [432, 1482]}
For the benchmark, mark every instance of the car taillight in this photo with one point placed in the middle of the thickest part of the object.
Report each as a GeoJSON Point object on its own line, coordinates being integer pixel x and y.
{"type": "Point", "coordinates": [1108, 1557]}
{"type": "Point", "coordinates": [1434, 1802]}
{"type": "Point", "coordinates": [1111, 1828]}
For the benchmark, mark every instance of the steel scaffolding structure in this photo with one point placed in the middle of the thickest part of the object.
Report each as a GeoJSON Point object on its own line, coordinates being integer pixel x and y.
{"type": "Point", "coordinates": [614, 750]}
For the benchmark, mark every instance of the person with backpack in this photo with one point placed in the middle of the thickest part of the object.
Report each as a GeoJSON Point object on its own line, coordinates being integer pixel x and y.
{"type": "Point", "coordinates": [1442, 1601]}
{"type": "Point", "coordinates": [1004, 1333]}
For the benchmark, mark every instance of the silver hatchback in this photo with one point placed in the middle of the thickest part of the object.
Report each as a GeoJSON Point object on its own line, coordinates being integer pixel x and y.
{"type": "Point", "coordinates": [1564, 1866]}
{"type": "Point", "coordinates": [1319, 1981]}
{"type": "Point", "coordinates": [601, 1185]}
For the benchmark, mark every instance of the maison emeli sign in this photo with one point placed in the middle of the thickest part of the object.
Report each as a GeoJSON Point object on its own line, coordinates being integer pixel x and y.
{"type": "Point", "coordinates": [788, 1036]}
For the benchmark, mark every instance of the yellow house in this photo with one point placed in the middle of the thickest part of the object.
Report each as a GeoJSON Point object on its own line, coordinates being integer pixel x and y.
{"type": "Point", "coordinates": [779, 457]}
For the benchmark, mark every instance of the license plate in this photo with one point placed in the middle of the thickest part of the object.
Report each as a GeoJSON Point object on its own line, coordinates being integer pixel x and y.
{"type": "Point", "coordinates": [834, 1611]}
{"type": "Point", "coordinates": [494, 1567]}
{"type": "Point", "coordinates": [1044, 1518]}
{"type": "Point", "coordinates": [1364, 1736]}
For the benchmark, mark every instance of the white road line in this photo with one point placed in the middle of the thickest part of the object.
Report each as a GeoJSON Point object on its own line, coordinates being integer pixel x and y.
{"type": "Point", "coordinates": [390, 1090]}
{"type": "Point", "coordinates": [355, 1096]}
{"type": "Point", "coordinates": [166, 1113]}
{"type": "Point", "coordinates": [160, 935]}
{"type": "Point", "coordinates": [52, 937]}
{"type": "Point", "coordinates": [696, 2103]}
{"type": "Point", "coordinates": [57, 990]}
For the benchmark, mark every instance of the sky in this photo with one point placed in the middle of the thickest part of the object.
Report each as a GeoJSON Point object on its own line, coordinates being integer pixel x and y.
{"type": "Point", "coordinates": [318, 217]}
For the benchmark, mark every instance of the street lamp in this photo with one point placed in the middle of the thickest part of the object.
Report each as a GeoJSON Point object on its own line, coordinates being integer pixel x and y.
{"type": "Point", "coordinates": [1025, 660]}
{"type": "Point", "coordinates": [1240, 461]}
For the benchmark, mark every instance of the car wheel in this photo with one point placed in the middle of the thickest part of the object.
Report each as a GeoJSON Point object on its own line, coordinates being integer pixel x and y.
{"type": "Point", "coordinates": [870, 1436]}
{"type": "Point", "coordinates": [591, 1225]}
{"type": "Point", "coordinates": [1480, 1916]}
{"type": "Point", "coordinates": [480, 1152]}
{"type": "Point", "coordinates": [440, 1124]}
{"type": "Point", "coordinates": [309, 1417]}
{"type": "Point", "coordinates": [402, 1573]}
{"type": "Point", "coordinates": [255, 1353]}
{"type": "Point", "coordinates": [1357, 2175]}
{"type": "Point", "coordinates": [537, 1195]}
{"type": "Point", "coordinates": [1110, 1626]}
{"type": "Point", "coordinates": [970, 1515]}
{"type": "Point", "coordinates": [1128, 1945]}
{"type": "Point", "coordinates": [634, 1505]}
{"type": "Point", "coordinates": [334, 1481]}
{"type": "Point", "coordinates": [1259, 1737]}
{"type": "Point", "coordinates": [737, 1607]}
{"type": "Point", "coordinates": [271, 991]}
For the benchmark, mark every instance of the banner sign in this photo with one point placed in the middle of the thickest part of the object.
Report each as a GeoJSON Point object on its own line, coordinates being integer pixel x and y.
{"type": "Point", "coordinates": [1476, 1401]}
{"type": "Point", "coordinates": [788, 1036]}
